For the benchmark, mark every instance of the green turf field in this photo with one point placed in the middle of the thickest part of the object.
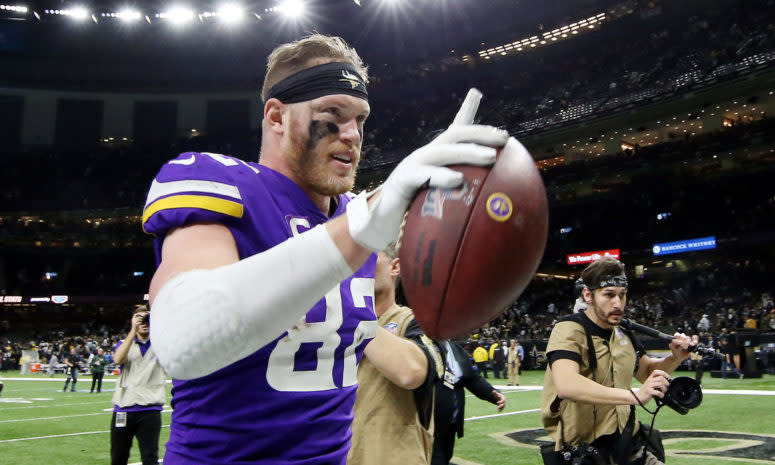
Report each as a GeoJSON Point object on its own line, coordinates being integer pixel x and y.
{"type": "Point", "coordinates": [39, 424]}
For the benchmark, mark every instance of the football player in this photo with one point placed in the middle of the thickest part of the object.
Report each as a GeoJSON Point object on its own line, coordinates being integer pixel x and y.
{"type": "Point", "coordinates": [263, 298]}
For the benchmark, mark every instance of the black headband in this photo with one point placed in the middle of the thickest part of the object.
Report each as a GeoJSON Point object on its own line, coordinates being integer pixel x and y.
{"type": "Point", "coordinates": [326, 79]}
{"type": "Point", "coordinates": [611, 280]}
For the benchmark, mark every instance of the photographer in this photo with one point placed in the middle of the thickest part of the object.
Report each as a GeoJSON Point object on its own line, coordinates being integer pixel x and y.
{"type": "Point", "coordinates": [139, 396]}
{"type": "Point", "coordinates": [587, 398]}
{"type": "Point", "coordinates": [71, 360]}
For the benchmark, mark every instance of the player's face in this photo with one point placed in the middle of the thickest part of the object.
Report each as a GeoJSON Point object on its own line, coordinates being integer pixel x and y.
{"type": "Point", "coordinates": [607, 305]}
{"type": "Point", "coordinates": [325, 142]}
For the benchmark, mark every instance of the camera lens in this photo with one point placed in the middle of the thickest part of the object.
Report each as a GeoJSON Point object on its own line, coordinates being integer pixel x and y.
{"type": "Point", "coordinates": [683, 394]}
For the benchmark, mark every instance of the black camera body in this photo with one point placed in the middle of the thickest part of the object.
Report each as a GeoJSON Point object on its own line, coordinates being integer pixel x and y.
{"type": "Point", "coordinates": [683, 394]}
{"type": "Point", "coordinates": [145, 319]}
{"type": "Point", "coordinates": [582, 454]}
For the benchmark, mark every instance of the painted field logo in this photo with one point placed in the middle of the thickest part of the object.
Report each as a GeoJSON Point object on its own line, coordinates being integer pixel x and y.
{"type": "Point", "coordinates": [700, 445]}
{"type": "Point", "coordinates": [499, 206]}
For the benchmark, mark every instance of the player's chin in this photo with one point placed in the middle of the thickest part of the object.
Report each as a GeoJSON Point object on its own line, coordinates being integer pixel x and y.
{"type": "Point", "coordinates": [615, 319]}
{"type": "Point", "coordinates": [335, 185]}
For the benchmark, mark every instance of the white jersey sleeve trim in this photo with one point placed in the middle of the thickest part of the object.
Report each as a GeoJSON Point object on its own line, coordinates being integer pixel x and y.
{"type": "Point", "coordinates": [162, 189]}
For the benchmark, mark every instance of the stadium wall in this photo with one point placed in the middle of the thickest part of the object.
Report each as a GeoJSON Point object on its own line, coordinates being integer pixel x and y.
{"type": "Point", "coordinates": [39, 111]}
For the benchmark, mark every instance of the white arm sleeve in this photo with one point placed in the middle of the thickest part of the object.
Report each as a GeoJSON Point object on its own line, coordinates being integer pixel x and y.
{"type": "Point", "coordinates": [205, 320]}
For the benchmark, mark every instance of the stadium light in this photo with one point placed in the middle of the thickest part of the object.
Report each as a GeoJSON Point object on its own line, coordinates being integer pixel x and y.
{"type": "Point", "coordinates": [129, 15]}
{"type": "Point", "coordinates": [14, 8]}
{"type": "Point", "coordinates": [78, 13]}
{"type": "Point", "coordinates": [231, 13]}
{"type": "Point", "coordinates": [177, 15]}
{"type": "Point", "coordinates": [291, 8]}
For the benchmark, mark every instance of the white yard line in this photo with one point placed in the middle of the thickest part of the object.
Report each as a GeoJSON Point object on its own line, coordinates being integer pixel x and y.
{"type": "Point", "coordinates": [503, 414]}
{"type": "Point", "coordinates": [61, 435]}
{"type": "Point", "coordinates": [52, 418]}
{"type": "Point", "coordinates": [3, 409]}
{"type": "Point", "coordinates": [58, 380]}
{"type": "Point", "coordinates": [67, 416]}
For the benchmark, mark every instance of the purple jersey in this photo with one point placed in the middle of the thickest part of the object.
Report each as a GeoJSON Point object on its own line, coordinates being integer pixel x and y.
{"type": "Point", "coordinates": [292, 400]}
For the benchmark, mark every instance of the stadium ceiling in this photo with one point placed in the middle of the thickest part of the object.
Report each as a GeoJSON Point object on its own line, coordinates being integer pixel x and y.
{"type": "Point", "coordinates": [94, 41]}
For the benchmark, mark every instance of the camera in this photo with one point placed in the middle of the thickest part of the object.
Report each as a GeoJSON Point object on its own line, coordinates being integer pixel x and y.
{"type": "Point", "coordinates": [683, 394]}
{"type": "Point", "coordinates": [582, 454]}
{"type": "Point", "coordinates": [145, 319]}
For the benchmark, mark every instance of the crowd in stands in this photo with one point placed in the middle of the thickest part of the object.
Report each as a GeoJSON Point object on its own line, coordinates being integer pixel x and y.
{"type": "Point", "coordinates": [631, 60]}
{"type": "Point", "coordinates": [714, 300]}
{"type": "Point", "coordinates": [630, 54]}
{"type": "Point", "coordinates": [679, 177]}
{"type": "Point", "coordinates": [51, 349]}
{"type": "Point", "coordinates": [92, 198]}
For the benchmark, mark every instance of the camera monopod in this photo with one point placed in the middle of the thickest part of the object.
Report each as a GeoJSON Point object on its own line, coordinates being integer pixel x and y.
{"type": "Point", "coordinates": [701, 349]}
{"type": "Point", "coordinates": [683, 393]}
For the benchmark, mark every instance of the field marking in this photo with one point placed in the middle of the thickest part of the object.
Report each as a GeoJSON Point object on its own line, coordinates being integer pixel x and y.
{"type": "Point", "coordinates": [502, 414]}
{"type": "Point", "coordinates": [67, 416]}
{"type": "Point", "coordinates": [54, 405]}
{"type": "Point", "coordinates": [54, 436]}
{"type": "Point", "coordinates": [58, 380]}
{"type": "Point", "coordinates": [52, 418]}
{"type": "Point", "coordinates": [742, 392]}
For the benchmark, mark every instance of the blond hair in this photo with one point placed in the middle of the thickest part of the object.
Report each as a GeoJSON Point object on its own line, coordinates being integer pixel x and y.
{"type": "Point", "coordinates": [312, 50]}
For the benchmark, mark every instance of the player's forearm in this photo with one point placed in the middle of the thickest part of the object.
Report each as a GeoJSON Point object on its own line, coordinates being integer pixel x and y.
{"type": "Point", "coordinates": [399, 360]}
{"type": "Point", "coordinates": [205, 320]}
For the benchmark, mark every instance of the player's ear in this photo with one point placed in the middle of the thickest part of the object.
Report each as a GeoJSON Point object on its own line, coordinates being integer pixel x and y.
{"type": "Point", "coordinates": [395, 267]}
{"type": "Point", "coordinates": [273, 115]}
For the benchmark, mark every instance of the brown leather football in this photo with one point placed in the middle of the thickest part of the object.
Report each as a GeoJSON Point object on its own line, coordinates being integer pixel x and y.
{"type": "Point", "coordinates": [468, 253]}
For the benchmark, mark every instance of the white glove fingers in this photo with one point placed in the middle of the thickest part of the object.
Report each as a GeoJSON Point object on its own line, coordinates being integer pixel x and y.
{"type": "Point", "coordinates": [452, 154]}
{"type": "Point", "coordinates": [477, 134]}
{"type": "Point", "coordinates": [444, 178]}
{"type": "Point", "coordinates": [467, 111]}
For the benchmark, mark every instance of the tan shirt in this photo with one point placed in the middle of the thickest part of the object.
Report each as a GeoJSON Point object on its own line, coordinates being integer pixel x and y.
{"type": "Point", "coordinates": [584, 422]}
{"type": "Point", "coordinates": [142, 379]}
{"type": "Point", "coordinates": [386, 427]}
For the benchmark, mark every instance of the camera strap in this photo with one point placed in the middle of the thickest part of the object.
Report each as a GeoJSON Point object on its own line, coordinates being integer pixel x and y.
{"type": "Point", "coordinates": [623, 448]}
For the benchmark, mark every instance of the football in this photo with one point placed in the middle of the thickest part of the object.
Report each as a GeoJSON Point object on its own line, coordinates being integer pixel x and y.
{"type": "Point", "coordinates": [466, 254]}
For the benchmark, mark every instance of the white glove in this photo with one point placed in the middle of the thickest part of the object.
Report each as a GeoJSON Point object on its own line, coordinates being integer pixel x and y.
{"type": "Point", "coordinates": [375, 227]}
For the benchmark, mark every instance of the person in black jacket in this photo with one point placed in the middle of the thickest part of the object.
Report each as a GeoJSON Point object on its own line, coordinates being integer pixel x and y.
{"type": "Point", "coordinates": [451, 399]}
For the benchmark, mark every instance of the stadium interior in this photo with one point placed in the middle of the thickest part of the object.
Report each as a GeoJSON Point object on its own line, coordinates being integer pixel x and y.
{"type": "Point", "coordinates": [651, 123]}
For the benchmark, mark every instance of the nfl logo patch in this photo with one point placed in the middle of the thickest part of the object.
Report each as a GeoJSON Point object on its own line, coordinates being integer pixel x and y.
{"type": "Point", "coordinates": [392, 327]}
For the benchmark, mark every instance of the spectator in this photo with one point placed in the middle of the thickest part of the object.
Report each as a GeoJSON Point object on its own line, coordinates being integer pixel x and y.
{"type": "Point", "coordinates": [451, 400]}
{"type": "Point", "coordinates": [53, 361]}
{"type": "Point", "coordinates": [97, 365]}
{"type": "Point", "coordinates": [704, 324]}
{"type": "Point", "coordinates": [480, 358]}
{"type": "Point", "coordinates": [729, 350]}
{"type": "Point", "coordinates": [498, 360]}
{"type": "Point", "coordinates": [71, 360]}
